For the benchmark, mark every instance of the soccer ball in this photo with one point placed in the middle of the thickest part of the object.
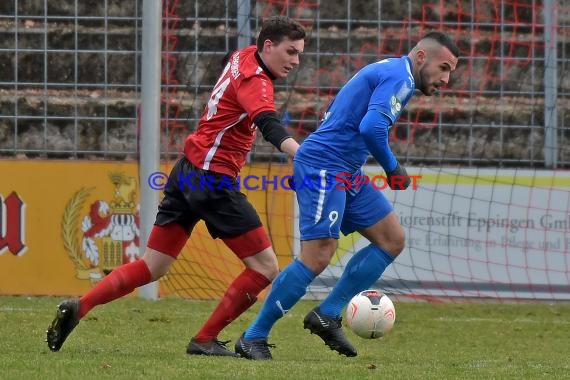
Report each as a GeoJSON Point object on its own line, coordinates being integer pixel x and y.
{"type": "Point", "coordinates": [370, 314]}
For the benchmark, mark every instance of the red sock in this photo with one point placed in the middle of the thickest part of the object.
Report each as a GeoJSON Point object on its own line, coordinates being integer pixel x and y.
{"type": "Point", "coordinates": [241, 294]}
{"type": "Point", "coordinates": [121, 281]}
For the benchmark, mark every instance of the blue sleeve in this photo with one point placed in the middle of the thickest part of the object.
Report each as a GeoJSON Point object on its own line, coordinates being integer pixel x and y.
{"type": "Point", "coordinates": [391, 97]}
{"type": "Point", "coordinates": [374, 130]}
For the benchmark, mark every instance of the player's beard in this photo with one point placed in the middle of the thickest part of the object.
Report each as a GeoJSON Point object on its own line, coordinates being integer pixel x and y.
{"type": "Point", "coordinates": [423, 85]}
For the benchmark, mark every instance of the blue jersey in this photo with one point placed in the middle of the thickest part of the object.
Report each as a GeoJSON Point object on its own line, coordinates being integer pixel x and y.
{"type": "Point", "coordinates": [385, 86]}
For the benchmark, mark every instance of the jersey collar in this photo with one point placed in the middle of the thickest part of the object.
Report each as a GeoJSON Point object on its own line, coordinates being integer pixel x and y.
{"type": "Point", "coordinates": [265, 68]}
{"type": "Point", "coordinates": [408, 64]}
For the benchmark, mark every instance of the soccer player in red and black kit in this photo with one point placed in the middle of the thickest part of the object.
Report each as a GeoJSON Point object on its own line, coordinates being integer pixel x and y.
{"type": "Point", "coordinates": [202, 186]}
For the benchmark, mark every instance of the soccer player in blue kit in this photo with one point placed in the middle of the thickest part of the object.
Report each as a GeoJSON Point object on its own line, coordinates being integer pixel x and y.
{"type": "Point", "coordinates": [355, 125]}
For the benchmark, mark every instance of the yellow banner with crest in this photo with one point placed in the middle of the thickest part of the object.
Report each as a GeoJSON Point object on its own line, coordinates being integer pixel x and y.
{"type": "Point", "coordinates": [64, 225]}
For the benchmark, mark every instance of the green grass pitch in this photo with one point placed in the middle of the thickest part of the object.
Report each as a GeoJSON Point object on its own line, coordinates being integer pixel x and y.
{"type": "Point", "coordinates": [137, 339]}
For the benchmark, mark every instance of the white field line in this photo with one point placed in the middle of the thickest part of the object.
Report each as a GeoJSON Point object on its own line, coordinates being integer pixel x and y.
{"type": "Point", "coordinates": [17, 309]}
{"type": "Point", "coordinates": [497, 320]}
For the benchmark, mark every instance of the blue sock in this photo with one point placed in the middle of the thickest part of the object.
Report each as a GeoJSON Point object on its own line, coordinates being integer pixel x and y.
{"type": "Point", "coordinates": [361, 272]}
{"type": "Point", "coordinates": [287, 289]}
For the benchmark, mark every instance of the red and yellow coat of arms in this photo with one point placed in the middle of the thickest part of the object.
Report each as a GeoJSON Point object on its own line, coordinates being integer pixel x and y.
{"type": "Point", "coordinates": [108, 235]}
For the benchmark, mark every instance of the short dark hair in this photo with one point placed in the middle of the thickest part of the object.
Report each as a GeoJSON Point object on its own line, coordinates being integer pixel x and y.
{"type": "Point", "coordinates": [276, 28]}
{"type": "Point", "coordinates": [443, 40]}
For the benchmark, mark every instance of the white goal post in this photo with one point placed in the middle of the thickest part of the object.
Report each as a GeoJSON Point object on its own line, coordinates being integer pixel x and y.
{"type": "Point", "coordinates": [149, 161]}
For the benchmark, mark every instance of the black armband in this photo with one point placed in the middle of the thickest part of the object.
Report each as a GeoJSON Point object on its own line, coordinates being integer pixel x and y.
{"type": "Point", "coordinates": [271, 128]}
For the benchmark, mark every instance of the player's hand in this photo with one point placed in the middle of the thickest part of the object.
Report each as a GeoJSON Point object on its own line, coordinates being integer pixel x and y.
{"type": "Point", "coordinates": [398, 178]}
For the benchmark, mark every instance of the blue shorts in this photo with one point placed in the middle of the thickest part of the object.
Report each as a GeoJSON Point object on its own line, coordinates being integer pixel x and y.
{"type": "Point", "coordinates": [327, 206]}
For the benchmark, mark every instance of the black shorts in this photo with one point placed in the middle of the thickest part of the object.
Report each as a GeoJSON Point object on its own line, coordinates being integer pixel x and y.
{"type": "Point", "coordinates": [193, 194]}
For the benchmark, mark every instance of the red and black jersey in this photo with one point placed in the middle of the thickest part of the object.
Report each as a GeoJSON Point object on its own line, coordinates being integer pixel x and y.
{"type": "Point", "coordinates": [226, 132]}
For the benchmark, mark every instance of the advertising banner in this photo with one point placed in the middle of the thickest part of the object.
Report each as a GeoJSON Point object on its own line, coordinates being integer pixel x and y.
{"type": "Point", "coordinates": [474, 233]}
{"type": "Point", "coordinates": [65, 224]}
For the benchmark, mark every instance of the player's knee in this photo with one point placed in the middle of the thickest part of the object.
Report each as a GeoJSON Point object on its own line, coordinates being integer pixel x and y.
{"type": "Point", "coordinates": [318, 263]}
{"type": "Point", "coordinates": [157, 273]}
{"type": "Point", "coordinates": [264, 262]}
{"type": "Point", "coordinates": [396, 242]}
{"type": "Point", "coordinates": [270, 269]}
{"type": "Point", "coordinates": [316, 254]}
{"type": "Point", "coordinates": [158, 263]}
{"type": "Point", "coordinates": [272, 273]}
